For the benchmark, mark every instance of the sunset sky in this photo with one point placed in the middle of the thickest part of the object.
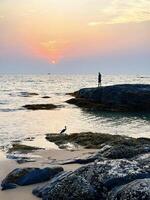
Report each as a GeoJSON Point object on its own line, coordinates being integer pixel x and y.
{"type": "Point", "coordinates": [75, 36]}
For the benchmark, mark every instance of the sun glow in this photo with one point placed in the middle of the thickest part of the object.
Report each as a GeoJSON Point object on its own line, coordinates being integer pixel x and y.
{"type": "Point", "coordinates": [53, 62]}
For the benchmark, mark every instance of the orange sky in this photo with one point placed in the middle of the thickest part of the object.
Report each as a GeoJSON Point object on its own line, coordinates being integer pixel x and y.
{"type": "Point", "coordinates": [55, 30]}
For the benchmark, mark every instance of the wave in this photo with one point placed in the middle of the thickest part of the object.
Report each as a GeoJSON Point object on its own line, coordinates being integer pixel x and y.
{"type": "Point", "coordinates": [10, 110]}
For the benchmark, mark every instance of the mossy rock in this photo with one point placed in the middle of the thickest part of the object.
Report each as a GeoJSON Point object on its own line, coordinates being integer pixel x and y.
{"type": "Point", "coordinates": [40, 106]}
{"type": "Point", "coordinates": [91, 140]}
{"type": "Point", "coordinates": [22, 148]}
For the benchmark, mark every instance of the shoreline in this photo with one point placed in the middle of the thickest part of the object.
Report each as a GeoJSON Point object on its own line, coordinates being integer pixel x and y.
{"type": "Point", "coordinates": [44, 158]}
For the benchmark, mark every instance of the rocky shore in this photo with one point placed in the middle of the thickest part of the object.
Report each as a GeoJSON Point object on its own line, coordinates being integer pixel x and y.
{"type": "Point", "coordinates": [118, 170]}
{"type": "Point", "coordinates": [124, 98]}
{"type": "Point", "coordinates": [111, 179]}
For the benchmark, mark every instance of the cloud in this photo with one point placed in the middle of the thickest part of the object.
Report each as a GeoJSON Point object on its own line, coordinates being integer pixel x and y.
{"type": "Point", "coordinates": [54, 44]}
{"type": "Point", "coordinates": [120, 11]}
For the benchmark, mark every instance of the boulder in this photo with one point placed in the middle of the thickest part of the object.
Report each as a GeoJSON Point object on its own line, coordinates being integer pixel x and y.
{"type": "Point", "coordinates": [28, 176]}
{"type": "Point", "coordinates": [144, 161]}
{"type": "Point", "coordinates": [135, 190]}
{"type": "Point", "coordinates": [68, 186]}
{"type": "Point", "coordinates": [94, 181]}
{"type": "Point", "coordinates": [125, 97]}
{"type": "Point", "coordinates": [125, 151]}
{"type": "Point", "coordinates": [42, 191]}
{"type": "Point", "coordinates": [106, 175]}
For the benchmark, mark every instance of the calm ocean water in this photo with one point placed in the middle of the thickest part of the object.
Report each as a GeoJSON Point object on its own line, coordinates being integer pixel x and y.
{"type": "Point", "coordinates": [17, 123]}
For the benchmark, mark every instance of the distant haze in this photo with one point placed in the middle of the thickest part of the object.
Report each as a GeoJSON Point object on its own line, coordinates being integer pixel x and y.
{"type": "Point", "coordinates": [75, 36]}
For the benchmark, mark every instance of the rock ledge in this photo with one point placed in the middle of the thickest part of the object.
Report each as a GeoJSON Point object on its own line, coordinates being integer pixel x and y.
{"type": "Point", "coordinates": [125, 97]}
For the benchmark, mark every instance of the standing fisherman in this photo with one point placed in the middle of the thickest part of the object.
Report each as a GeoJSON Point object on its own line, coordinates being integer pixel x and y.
{"type": "Point", "coordinates": [99, 79]}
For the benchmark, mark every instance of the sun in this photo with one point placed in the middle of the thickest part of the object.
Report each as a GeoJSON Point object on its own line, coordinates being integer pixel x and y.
{"type": "Point", "coordinates": [54, 62]}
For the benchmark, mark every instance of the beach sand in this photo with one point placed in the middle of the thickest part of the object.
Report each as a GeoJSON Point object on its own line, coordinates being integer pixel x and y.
{"type": "Point", "coordinates": [44, 158]}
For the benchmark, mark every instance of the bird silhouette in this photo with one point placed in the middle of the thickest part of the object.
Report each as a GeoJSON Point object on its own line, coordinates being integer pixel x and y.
{"type": "Point", "coordinates": [63, 130]}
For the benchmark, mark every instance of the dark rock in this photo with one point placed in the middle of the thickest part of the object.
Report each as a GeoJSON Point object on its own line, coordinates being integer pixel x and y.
{"type": "Point", "coordinates": [95, 181]}
{"type": "Point", "coordinates": [44, 190]}
{"type": "Point", "coordinates": [125, 151]}
{"type": "Point", "coordinates": [106, 175]}
{"type": "Point", "coordinates": [74, 94]}
{"type": "Point", "coordinates": [29, 139]}
{"type": "Point", "coordinates": [87, 139]}
{"type": "Point", "coordinates": [28, 94]}
{"type": "Point", "coordinates": [126, 97]}
{"type": "Point", "coordinates": [81, 161]}
{"type": "Point", "coordinates": [46, 97]}
{"type": "Point", "coordinates": [70, 187]}
{"type": "Point", "coordinates": [28, 176]}
{"type": "Point", "coordinates": [22, 148]}
{"type": "Point", "coordinates": [86, 104]}
{"type": "Point", "coordinates": [8, 186]}
{"type": "Point", "coordinates": [40, 106]}
{"type": "Point", "coordinates": [19, 158]}
{"type": "Point", "coordinates": [24, 160]}
{"type": "Point", "coordinates": [99, 140]}
{"type": "Point", "coordinates": [135, 190]}
{"type": "Point", "coordinates": [95, 157]}
{"type": "Point", "coordinates": [114, 152]}
{"type": "Point", "coordinates": [144, 161]}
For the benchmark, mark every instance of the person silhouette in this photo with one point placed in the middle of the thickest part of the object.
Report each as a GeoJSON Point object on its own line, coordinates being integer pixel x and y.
{"type": "Point", "coordinates": [99, 79]}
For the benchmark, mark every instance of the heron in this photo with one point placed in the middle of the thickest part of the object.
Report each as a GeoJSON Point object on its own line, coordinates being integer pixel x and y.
{"type": "Point", "coordinates": [63, 130]}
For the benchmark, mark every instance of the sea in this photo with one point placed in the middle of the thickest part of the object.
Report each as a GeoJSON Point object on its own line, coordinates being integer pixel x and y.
{"type": "Point", "coordinates": [17, 123]}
